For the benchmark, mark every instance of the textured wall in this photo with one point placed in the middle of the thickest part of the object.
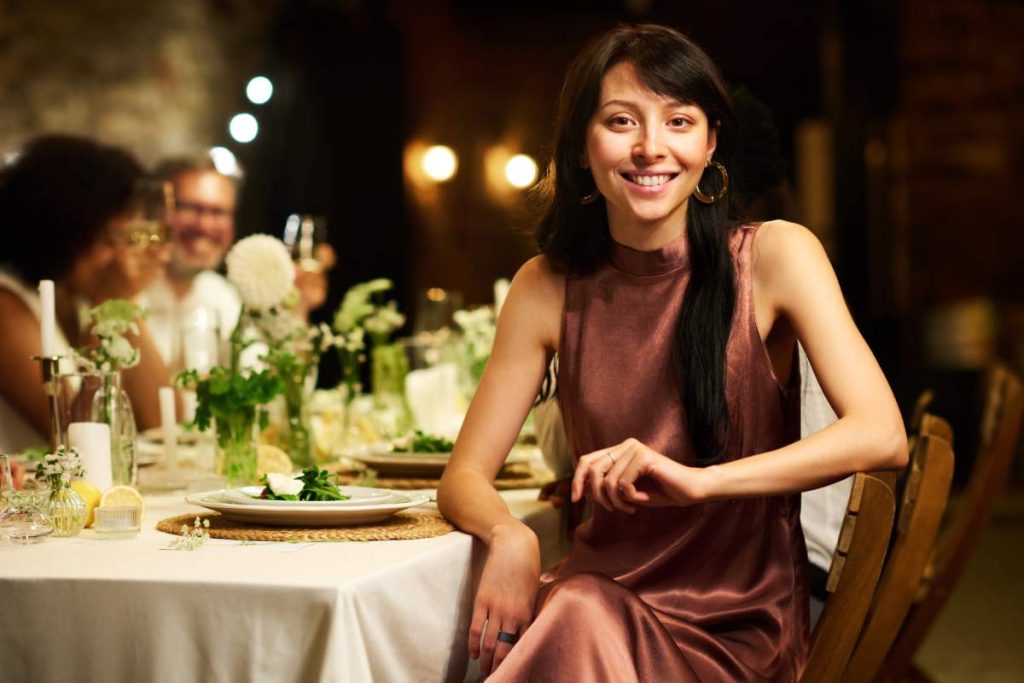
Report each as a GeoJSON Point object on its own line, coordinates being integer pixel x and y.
{"type": "Point", "coordinates": [157, 77]}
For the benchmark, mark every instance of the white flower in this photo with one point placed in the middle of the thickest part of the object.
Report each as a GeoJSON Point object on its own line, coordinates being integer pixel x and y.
{"type": "Point", "coordinates": [283, 485]}
{"type": "Point", "coordinates": [121, 351]}
{"type": "Point", "coordinates": [261, 269]}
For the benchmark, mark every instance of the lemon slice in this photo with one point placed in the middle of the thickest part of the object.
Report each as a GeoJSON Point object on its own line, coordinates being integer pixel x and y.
{"type": "Point", "coordinates": [123, 496]}
{"type": "Point", "coordinates": [272, 459]}
{"type": "Point", "coordinates": [90, 494]}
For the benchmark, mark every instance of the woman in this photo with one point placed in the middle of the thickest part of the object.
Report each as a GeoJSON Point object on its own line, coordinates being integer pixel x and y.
{"type": "Point", "coordinates": [676, 334]}
{"type": "Point", "coordinates": [65, 212]}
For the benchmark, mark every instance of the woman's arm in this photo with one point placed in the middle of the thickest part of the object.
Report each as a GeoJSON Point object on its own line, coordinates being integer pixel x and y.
{"type": "Point", "coordinates": [21, 379]}
{"type": "Point", "coordinates": [794, 281]}
{"type": "Point", "coordinates": [527, 333]}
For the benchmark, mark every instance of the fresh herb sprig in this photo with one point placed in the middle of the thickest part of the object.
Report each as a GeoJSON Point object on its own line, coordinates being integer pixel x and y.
{"type": "Point", "coordinates": [316, 486]}
{"type": "Point", "coordinates": [427, 443]}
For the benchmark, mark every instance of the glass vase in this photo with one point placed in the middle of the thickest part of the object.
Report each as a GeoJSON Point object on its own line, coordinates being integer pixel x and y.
{"type": "Point", "coordinates": [297, 436]}
{"type": "Point", "coordinates": [236, 448]}
{"type": "Point", "coordinates": [98, 398]}
{"type": "Point", "coordinates": [389, 367]}
{"type": "Point", "coordinates": [67, 511]}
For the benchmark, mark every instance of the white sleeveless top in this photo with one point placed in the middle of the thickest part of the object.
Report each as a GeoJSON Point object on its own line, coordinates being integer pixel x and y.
{"type": "Point", "coordinates": [16, 432]}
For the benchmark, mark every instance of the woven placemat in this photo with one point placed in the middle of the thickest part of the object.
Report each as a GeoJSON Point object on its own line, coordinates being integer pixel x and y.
{"type": "Point", "coordinates": [402, 526]}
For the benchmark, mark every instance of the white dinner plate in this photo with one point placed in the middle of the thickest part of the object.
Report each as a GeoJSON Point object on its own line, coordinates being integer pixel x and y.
{"type": "Point", "coordinates": [389, 462]}
{"type": "Point", "coordinates": [357, 495]}
{"type": "Point", "coordinates": [308, 515]}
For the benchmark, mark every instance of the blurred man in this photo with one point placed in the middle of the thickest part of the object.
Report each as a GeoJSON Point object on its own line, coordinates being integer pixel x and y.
{"type": "Point", "coordinates": [193, 298]}
{"type": "Point", "coordinates": [203, 229]}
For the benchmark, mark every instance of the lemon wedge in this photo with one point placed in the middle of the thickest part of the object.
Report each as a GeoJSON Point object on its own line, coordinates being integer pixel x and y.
{"type": "Point", "coordinates": [272, 459]}
{"type": "Point", "coordinates": [90, 494]}
{"type": "Point", "coordinates": [123, 496]}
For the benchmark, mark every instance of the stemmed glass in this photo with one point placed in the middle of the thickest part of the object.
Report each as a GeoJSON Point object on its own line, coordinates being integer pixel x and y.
{"type": "Point", "coordinates": [22, 519]}
{"type": "Point", "coordinates": [303, 235]}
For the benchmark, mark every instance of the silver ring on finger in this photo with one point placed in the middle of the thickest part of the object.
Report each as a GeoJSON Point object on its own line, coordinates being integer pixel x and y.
{"type": "Point", "coordinates": [612, 457]}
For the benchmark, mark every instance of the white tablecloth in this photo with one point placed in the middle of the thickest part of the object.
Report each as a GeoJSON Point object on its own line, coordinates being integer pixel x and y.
{"type": "Point", "coordinates": [97, 610]}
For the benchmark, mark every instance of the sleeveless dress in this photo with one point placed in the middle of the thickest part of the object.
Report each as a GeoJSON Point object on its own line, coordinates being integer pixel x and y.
{"type": "Point", "coordinates": [709, 592]}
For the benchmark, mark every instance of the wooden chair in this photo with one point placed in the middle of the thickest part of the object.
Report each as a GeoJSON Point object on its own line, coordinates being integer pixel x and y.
{"type": "Point", "coordinates": [1000, 430]}
{"type": "Point", "coordinates": [855, 569]}
{"type": "Point", "coordinates": [925, 491]}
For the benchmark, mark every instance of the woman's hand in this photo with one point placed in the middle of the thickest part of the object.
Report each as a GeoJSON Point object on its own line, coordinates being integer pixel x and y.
{"type": "Point", "coordinates": [505, 598]}
{"type": "Point", "coordinates": [630, 474]}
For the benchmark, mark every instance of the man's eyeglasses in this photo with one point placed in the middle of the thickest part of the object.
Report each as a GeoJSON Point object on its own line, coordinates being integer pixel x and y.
{"type": "Point", "coordinates": [190, 210]}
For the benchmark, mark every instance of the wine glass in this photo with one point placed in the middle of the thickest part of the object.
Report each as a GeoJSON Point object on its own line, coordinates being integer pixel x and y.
{"type": "Point", "coordinates": [304, 235]}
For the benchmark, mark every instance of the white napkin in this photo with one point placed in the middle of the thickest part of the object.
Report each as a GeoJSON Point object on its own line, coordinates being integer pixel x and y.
{"type": "Point", "coordinates": [433, 395]}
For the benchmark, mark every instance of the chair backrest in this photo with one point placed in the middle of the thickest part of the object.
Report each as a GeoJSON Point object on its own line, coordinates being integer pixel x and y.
{"type": "Point", "coordinates": [1000, 430]}
{"type": "Point", "coordinates": [856, 565]}
{"type": "Point", "coordinates": [925, 491]}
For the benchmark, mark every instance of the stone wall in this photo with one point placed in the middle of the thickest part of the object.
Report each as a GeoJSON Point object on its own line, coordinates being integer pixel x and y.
{"type": "Point", "coordinates": [157, 77]}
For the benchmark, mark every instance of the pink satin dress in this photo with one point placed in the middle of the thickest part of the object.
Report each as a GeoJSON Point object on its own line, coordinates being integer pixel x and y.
{"type": "Point", "coordinates": [710, 592]}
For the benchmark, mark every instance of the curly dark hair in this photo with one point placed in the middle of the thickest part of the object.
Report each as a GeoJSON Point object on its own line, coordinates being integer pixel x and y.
{"type": "Point", "coordinates": [56, 197]}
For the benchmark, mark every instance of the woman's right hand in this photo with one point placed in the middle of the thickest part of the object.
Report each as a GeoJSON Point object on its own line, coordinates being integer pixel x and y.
{"type": "Point", "coordinates": [505, 598]}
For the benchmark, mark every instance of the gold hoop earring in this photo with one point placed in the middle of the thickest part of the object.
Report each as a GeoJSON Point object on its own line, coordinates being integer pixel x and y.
{"type": "Point", "coordinates": [711, 199]}
{"type": "Point", "coordinates": [590, 198]}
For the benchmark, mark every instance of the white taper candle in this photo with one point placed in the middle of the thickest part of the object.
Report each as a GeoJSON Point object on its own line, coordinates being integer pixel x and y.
{"type": "Point", "coordinates": [47, 318]}
{"type": "Point", "coordinates": [169, 422]}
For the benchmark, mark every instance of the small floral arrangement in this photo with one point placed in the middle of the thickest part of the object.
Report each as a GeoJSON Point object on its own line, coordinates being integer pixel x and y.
{"type": "Point", "coordinates": [478, 327]}
{"type": "Point", "coordinates": [261, 269]}
{"type": "Point", "coordinates": [58, 468]}
{"type": "Point", "coordinates": [111, 321]}
{"type": "Point", "coordinates": [358, 316]}
{"type": "Point", "coordinates": [192, 538]}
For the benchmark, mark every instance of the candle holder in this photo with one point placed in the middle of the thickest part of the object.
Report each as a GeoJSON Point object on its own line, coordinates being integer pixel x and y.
{"type": "Point", "coordinates": [51, 385]}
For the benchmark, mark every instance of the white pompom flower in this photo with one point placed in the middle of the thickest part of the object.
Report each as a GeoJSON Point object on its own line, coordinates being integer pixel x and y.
{"type": "Point", "coordinates": [261, 269]}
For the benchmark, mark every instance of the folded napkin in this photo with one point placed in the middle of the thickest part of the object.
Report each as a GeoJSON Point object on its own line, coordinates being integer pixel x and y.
{"type": "Point", "coordinates": [434, 399]}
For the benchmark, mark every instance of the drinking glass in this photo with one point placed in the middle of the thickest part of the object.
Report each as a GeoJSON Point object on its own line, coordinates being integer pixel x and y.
{"type": "Point", "coordinates": [303, 235]}
{"type": "Point", "coordinates": [151, 206]}
{"type": "Point", "coordinates": [22, 512]}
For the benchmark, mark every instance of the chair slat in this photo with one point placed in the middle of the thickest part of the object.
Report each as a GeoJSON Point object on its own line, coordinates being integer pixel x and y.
{"type": "Point", "coordinates": [852, 577]}
{"type": "Point", "coordinates": [930, 473]}
{"type": "Point", "coordinates": [1000, 431]}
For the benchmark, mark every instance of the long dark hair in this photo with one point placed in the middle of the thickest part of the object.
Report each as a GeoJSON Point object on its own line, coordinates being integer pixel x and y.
{"type": "Point", "coordinates": [56, 197]}
{"type": "Point", "coordinates": [576, 236]}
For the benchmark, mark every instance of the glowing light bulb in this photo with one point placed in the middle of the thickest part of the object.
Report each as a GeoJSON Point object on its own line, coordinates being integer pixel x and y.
{"type": "Point", "coordinates": [259, 90]}
{"type": "Point", "coordinates": [440, 163]}
{"type": "Point", "coordinates": [243, 127]}
{"type": "Point", "coordinates": [224, 160]}
{"type": "Point", "coordinates": [521, 171]}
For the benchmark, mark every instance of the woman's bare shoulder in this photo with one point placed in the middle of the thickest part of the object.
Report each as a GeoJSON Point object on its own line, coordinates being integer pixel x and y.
{"type": "Point", "coordinates": [13, 311]}
{"type": "Point", "coordinates": [784, 245]}
{"type": "Point", "coordinates": [540, 280]}
{"type": "Point", "coordinates": [537, 296]}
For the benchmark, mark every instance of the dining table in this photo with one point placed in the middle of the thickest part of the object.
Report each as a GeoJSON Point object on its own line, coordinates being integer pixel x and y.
{"type": "Point", "coordinates": [141, 609]}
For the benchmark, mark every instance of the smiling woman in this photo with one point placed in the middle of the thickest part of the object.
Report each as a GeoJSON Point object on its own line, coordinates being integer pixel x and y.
{"type": "Point", "coordinates": [676, 330]}
{"type": "Point", "coordinates": [67, 214]}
